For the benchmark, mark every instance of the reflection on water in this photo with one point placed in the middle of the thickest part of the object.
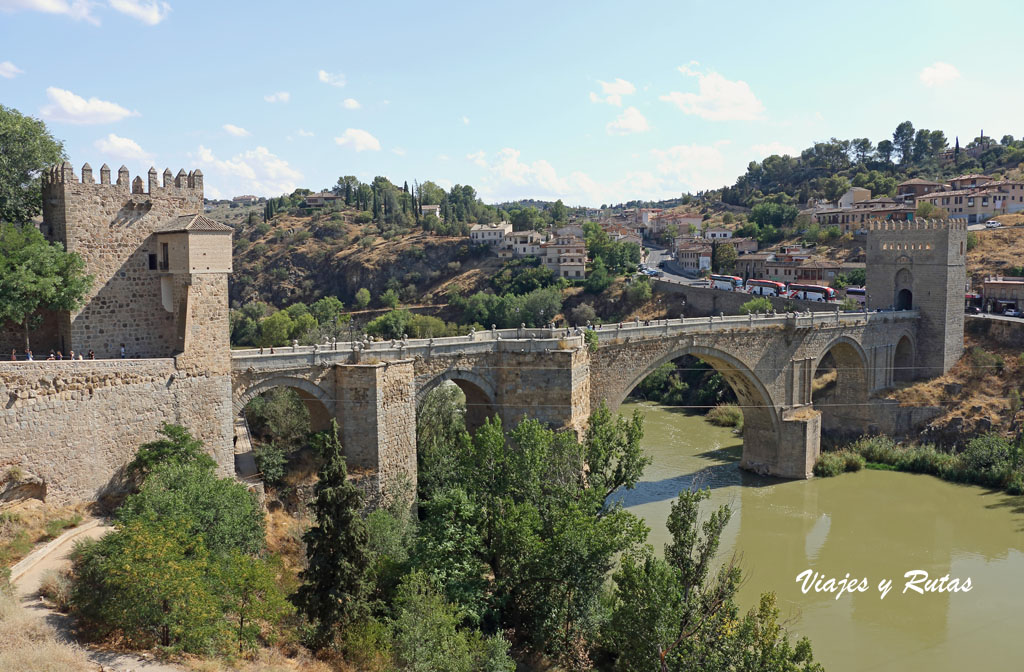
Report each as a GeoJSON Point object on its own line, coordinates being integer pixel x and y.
{"type": "Point", "coordinates": [870, 524]}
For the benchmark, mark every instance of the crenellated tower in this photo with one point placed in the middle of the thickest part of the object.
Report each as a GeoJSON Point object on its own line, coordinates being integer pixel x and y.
{"type": "Point", "coordinates": [922, 265]}
{"type": "Point", "coordinates": [160, 266]}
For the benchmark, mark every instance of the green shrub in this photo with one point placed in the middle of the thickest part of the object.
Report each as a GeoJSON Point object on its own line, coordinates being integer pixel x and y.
{"type": "Point", "coordinates": [726, 415]}
{"type": "Point", "coordinates": [853, 461]}
{"type": "Point", "coordinates": [270, 460]}
{"type": "Point", "coordinates": [761, 304]}
{"type": "Point", "coordinates": [830, 464]}
{"type": "Point", "coordinates": [972, 240]}
{"type": "Point", "coordinates": [55, 527]}
{"type": "Point", "coordinates": [590, 337]}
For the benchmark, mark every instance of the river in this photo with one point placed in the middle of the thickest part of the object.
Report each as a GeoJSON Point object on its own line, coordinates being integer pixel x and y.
{"type": "Point", "coordinates": [873, 524]}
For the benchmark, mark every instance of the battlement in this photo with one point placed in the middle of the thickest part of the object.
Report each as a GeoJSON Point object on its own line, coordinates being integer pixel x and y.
{"type": "Point", "coordinates": [916, 225]}
{"type": "Point", "coordinates": [60, 175]}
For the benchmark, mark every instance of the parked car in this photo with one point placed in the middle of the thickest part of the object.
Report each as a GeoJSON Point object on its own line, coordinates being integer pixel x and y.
{"type": "Point", "coordinates": [973, 310]}
{"type": "Point", "coordinates": [1011, 312]}
{"type": "Point", "coordinates": [861, 232]}
{"type": "Point", "coordinates": [993, 224]}
{"type": "Point", "coordinates": [661, 264]}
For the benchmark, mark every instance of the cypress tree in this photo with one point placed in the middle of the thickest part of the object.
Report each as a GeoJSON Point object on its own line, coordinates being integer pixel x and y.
{"type": "Point", "coordinates": [335, 586]}
{"type": "Point", "coordinates": [348, 193]}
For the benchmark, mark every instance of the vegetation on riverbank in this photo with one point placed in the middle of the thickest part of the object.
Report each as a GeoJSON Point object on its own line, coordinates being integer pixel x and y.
{"type": "Point", "coordinates": [991, 460]}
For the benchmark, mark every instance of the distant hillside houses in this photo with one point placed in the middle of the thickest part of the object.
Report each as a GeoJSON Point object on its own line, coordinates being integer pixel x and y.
{"type": "Point", "coordinates": [972, 198]}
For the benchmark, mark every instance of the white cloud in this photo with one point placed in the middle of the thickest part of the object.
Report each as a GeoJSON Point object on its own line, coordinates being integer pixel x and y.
{"type": "Point", "coordinates": [443, 157]}
{"type": "Point", "coordinates": [123, 148]}
{"type": "Point", "coordinates": [305, 133]}
{"type": "Point", "coordinates": [9, 70]}
{"type": "Point", "coordinates": [479, 158]}
{"type": "Point", "coordinates": [149, 12]}
{"type": "Point", "coordinates": [336, 79]}
{"type": "Point", "coordinates": [774, 147]}
{"type": "Point", "coordinates": [70, 108]}
{"type": "Point", "coordinates": [939, 73]}
{"type": "Point", "coordinates": [509, 178]}
{"type": "Point", "coordinates": [400, 151]}
{"type": "Point", "coordinates": [256, 171]}
{"type": "Point", "coordinates": [236, 131]}
{"type": "Point", "coordinates": [630, 121]}
{"type": "Point", "coordinates": [351, 104]}
{"type": "Point", "coordinates": [278, 97]}
{"type": "Point", "coordinates": [359, 139]}
{"type": "Point", "coordinates": [75, 9]}
{"type": "Point", "coordinates": [693, 167]}
{"type": "Point", "coordinates": [719, 99]}
{"type": "Point", "coordinates": [613, 92]}
{"type": "Point", "coordinates": [465, 120]}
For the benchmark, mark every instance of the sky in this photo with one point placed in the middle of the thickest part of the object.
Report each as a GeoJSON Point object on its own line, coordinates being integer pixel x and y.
{"type": "Point", "coordinates": [591, 102]}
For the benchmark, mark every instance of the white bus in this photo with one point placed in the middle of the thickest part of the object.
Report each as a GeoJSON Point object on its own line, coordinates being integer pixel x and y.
{"type": "Point", "coordinates": [729, 283]}
{"type": "Point", "coordinates": [813, 293]}
{"type": "Point", "coordinates": [766, 287]}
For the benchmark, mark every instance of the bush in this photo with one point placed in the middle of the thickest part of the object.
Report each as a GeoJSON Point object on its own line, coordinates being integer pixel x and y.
{"type": "Point", "coordinates": [583, 314]}
{"type": "Point", "coordinates": [270, 460]}
{"type": "Point", "coordinates": [726, 415]}
{"type": "Point", "coordinates": [972, 240]}
{"type": "Point", "coordinates": [830, 464]}
{"type": "Point", "coordinates": [761, 304]}
{"type": "Point", "coordinates": [55, 527]}
{"type": "Point", "coordinates": [590, 338]}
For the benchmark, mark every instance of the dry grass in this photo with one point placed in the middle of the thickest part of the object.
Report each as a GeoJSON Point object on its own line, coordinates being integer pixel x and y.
{"type": "Point", "coordinates": [997, 250]}
{"type": "Point", "coordinates": [986, 391]}
{"type": "Point", "coordinates": [824, 381]}
{"type": "Point", "coordinates": [28, 522]}
{"type": "Point", "coordinates": [28, 644]}
{"type": "Point", "coordinates": [265, 660]}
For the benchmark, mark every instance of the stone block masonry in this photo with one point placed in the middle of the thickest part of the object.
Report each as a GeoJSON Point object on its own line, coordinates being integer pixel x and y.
{"type": "Point", "coordinates": [75, 424]}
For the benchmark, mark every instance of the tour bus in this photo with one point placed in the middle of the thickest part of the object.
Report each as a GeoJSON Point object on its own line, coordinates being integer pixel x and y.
{"type": "Point", "coordinates": [766, 287]}
{"type": "Point", "coordinates": [727, 282]}
{"type": "Point", "coordinates": [858, 294]}
{"type": "Point", "coordinates": [812, 292]}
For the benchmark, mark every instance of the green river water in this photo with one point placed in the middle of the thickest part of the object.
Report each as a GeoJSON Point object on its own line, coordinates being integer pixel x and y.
{"type": "Point", "coordinates": [873, 524]}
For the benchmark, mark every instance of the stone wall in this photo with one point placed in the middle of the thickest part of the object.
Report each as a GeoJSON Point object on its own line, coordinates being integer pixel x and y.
{"type": "Point", "coordinates": [1004, 331]}
{"type": "Point", "coordinates": [704, 301]}
{"type": "Point", "coordinates": [75, 424]}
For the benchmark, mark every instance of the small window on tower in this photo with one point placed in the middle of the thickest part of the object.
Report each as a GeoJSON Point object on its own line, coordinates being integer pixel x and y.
{"type": "Point", "coordinates": [152, 262]}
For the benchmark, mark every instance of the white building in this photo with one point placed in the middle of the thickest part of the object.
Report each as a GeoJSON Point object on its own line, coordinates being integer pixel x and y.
{"type": "Point", "coordinates": [434, 210]}
{"type": "Point", "coordinates": [490, 234]}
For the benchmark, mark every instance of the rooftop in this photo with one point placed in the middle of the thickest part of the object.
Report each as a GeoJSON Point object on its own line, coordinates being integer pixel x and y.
{"type": "Point", "coordinates": [197, 222]}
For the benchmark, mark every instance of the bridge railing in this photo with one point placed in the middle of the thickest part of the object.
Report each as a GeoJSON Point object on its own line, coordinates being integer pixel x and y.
{"type": "Point", "coordinates": [546, 339]}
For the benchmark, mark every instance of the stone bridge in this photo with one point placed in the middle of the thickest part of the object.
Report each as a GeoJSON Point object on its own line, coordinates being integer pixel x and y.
{"type": "Point", "coordinates": [372, 389]}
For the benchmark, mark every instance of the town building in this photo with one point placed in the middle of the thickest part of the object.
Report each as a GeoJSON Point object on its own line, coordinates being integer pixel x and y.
{"type": "Point", "coordinates": [566, 256]}
{"type": "Point", "coordinates": [521, 244]}
{"type": "Point", "coordinates": [694, 257]}
{"type": "Point", "coordinates": [321, 199]}
{"type": "Point", "coordinates": [1001, 292]}
{"type": "Point", "coordinates": [246, 199]}
{"type": "Point", "coordinates": [492, 234]}
{"type": "Point", "coordinates": [911, 190]}
{"type": "Point", "coordinates": [434, 210]}
{"type": "Point", "coordinates": [976, 204]}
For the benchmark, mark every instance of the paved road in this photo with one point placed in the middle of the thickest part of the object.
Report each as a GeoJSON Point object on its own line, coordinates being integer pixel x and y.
{"type": "Point", "coordinates": [991, 316]}
{"type": "Point", "coordinates": [658, 254]}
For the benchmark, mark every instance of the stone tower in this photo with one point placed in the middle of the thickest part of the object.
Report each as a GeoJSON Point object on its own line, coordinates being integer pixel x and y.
{"type": "Point", "coordinates": [160, 268]}
{"type": "Point", "coordinates": [922, 265]}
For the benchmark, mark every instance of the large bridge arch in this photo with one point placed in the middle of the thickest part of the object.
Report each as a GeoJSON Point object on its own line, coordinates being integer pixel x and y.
{"type": "Point", "coordinates": [318, 401]}
{"type": "Point", "coordinates": [481, 398]}
{"type": "Point", "coordinates": [843, 399]}
{"type": "Point", "coordinates": [762, 428]}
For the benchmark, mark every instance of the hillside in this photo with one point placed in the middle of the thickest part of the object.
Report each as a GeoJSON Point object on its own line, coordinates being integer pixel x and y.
{"type": "Point", "coordinates": [302, 258]}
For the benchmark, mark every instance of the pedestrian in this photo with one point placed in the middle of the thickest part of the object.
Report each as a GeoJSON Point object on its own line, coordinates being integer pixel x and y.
{"type": "Point", "coordinates": [261, 349]}
{"type": "Point", "coordinates": [14, 355]}
{"type": "Point", "coordinates": [72, 355]}
{"type": "Point", "coordinates": [271, 349]}
{"type": "Point", "coordinates": [60, 355]}
{"type": "Point", "coordinates": [28, 355]}
{"type": "Point", "coordinates": [122, 351]}
{"type": "Point", "coordinates": [52, 357]}
{"type": "Point", "coordinates": [92, 355]}
{"type": "Point", "coordinates": [80, 358]}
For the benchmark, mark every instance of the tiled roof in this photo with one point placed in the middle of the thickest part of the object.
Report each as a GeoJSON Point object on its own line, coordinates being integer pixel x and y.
{"type": "Point", "coordinates": [917, 180]}
{"type": "Point", "coordinates": [194, 223]}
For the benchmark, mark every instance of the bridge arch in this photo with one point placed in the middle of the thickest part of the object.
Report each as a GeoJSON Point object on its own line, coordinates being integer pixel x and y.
{"type": "Point", "coordinates": [904, 359]}
{"type": "Point", "coordinates": [760, 416]}
{"type": "Point", "coordinates": [318, 401]}
{"type": "Point", "coordinates": [481, 398]}
{"type": "Point", "coordinates": [842, 385]}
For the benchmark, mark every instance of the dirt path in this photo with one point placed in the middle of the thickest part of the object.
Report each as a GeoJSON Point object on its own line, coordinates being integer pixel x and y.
{"type": "Point", "coordinates": [26, 577]}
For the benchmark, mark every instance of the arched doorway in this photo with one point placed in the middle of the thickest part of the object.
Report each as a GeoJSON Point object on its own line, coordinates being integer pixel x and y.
{"type": "Point", "coordinates": [903, 360]}
{"type": "Point", "coordinates": [904, 288]}
{"type": "Point", "coordinates": [904, 299]}
{"type": "Point", "coordinates": [839, 389]}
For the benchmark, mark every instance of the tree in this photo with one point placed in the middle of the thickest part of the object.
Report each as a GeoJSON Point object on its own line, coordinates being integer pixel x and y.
{"type": "Point", "coordinates": [275, 330]}
{"type": "Point", "coordinates": [334, 585]}
{"type": "Point", "coordinates": [834, 187]}
{"type": "Point", "coordinates": [27, 149]}
{"type": "Point", "coordinates": [327, 310]}
{"type": "Point", "coordinates": [37, 275]}
{"type": "Point", "coordinates": [559, 213]}
{"type": "Point", "coordinates": [250, 596]}
{"type": "Point", "coordinates": [362, 298]}
{"type": "Point", "coordinates": [903, 141]}
{"type": "Point", "coordinates": [637, 293]}
{"type": "Point", "coordinates": [177, 447]}
{"type": "Point", "coordinates": [885, 151]}
{"type": "Point", "coordinates": [598, 279]}
{"type": "Point", "coordinates": [389, 299]}
{"type": "Point", "coordinates": [583, 314]}
{"type": "Point", "coordinates": [723, 257]}
{"type": "Point", "coordinates": [862, 148]}
{"type": "Point", "coordinates": [926, 210]}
